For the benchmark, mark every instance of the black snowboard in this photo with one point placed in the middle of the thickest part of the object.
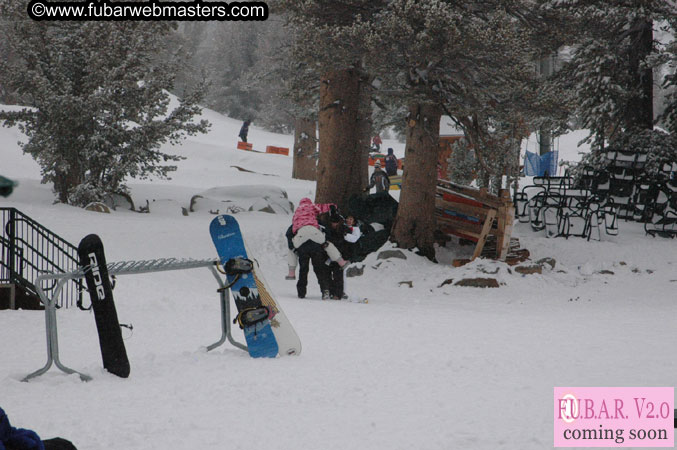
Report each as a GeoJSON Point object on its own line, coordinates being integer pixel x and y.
{"type": "Point", "coordinates": [112, 346]}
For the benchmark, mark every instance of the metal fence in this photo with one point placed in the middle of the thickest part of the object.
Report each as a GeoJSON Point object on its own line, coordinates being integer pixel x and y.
{"type": "Point", "coordinates": [29, 249]}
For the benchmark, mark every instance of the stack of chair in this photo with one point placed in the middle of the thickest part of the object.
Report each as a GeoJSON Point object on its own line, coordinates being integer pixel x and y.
{"type": "Point", "coordinates": [557, 207]}
{"type": "Point", "coordinates": [625, 185]}
{"type": "Point", "coordinates": [660, 213]}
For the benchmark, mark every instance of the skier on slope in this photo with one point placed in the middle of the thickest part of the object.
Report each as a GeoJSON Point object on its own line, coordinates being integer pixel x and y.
{"type": "Point", "coordinates": [306, 228]}
{"type": "Point", "coordinates": [244, 131]}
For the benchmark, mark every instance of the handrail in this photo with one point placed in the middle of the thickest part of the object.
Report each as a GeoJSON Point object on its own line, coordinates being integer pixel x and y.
{"type": "Point", "coordinates": [29, 249]}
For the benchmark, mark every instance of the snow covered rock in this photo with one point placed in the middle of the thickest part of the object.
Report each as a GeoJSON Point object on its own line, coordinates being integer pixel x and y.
{"type": "Point", "coordinates": [478, 282]}
{"type": "Point", "coordinates": [234, 199]}
{"type": "Point", "coordinates": [122, 201]}
{"type": "Point", "coordinates": [97, 207]}
{"type": "Point", "coordinates": [387, 254]}
{"type": "Point", "coordinates": [355, 271]}
{"type": "Point", "coordinates": [551, 262]}
{"type": "Point", "coordinates": [529, 269]}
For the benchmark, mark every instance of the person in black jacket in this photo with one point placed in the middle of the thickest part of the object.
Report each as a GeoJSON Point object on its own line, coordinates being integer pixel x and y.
{"type": "Point", "coordinates": [244, 131]}
{"type": "Point", "coordinates": [379, 179]}
{"type": "Point", "coordinates": [12, 438]}
{"type": "Point", "coordinates": [391, 163]}
{"type": "Point", "coordinates": [336, 231]}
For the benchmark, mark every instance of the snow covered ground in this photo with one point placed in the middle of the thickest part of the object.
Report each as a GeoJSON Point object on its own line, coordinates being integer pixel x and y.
{"type": "Point", "coordinates": [421, 367]}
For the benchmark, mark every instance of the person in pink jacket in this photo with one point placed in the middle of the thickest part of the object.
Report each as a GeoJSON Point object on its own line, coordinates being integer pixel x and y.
{"type": "Point", "coordinates": [306, 228]}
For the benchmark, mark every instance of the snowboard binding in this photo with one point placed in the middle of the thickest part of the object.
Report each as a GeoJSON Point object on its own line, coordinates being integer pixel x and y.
{"type": "Point", "coordinates": [238, 266]}
{"type": "Point", "coordinates": [251, 316]}
{"type": "Point", "coordinates": [235, 267]}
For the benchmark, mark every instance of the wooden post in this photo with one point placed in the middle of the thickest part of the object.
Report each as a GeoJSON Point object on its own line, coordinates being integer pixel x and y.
{"type": "Point", "coordinates": [506, 217]}
{"type": "Point", "coordinates": [488, 222]}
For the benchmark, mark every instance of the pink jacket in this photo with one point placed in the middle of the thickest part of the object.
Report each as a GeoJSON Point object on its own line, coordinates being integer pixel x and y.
{"type": "Point", "coordinates": [306, 214]}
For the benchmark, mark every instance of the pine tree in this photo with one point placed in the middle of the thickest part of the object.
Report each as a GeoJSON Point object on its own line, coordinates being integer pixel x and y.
{"type": "Point", "coordinates": [472, 60]}
{"type": "Point", "coordinates": [99, 103]}
{"type": "Point", "coordinates": [290, 101]}
{"type": "Point", "coordinates": [329, 41]}
{"type": "Point", "coordinates": [610, 73]}
{"type": "Point", "coordinates": [669, 58]}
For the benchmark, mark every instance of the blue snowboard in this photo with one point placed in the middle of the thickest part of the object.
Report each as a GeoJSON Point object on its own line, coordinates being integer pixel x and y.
{"type": "Point", "coordinates": [229, 244]}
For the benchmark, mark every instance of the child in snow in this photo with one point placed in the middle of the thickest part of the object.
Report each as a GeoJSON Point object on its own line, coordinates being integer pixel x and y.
{"type": "Point", "coordinates": [379, 179]}
{"type": "Point", "coordinates": [306, 228]}
{"type": "Point", "coordinates": [353, 232]}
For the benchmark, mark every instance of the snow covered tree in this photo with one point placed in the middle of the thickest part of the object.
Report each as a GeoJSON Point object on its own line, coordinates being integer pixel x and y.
{"type": "Point", "coordinates": [461, 164]}
{"type": "Point", "coordinates": [7, 95]}
{"type": "Point", "coordinates": [241, 63]}
{"type": "Point", "coordinates": [99, 102]}
{"type": "Point", "coordinates": [610, 73]}
{"type": "Point", "coordinates": [291, 96]}
{"type": "Point", "coordinates": [470, 59]}
{"type": "Point", "coordinates": [669, 58]}
{"type": "Point", "coordinates": [329, 41]}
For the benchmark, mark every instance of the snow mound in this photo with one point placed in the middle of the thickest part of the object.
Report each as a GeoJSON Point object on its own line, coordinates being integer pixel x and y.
{"type": "Point", "coordinates": [168, 207]}
{"type": "Point", "coordinates": [234, 199]}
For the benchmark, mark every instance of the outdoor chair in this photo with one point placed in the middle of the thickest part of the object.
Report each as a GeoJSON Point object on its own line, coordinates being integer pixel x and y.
{"type": "Point", "coordinates": [662, 213]}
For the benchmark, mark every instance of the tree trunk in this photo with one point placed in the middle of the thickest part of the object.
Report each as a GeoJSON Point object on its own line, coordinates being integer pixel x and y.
{"type": "Point", "coordinates": [640, 108]}
{"type": "Point", "coordinates": [339, 167]}
{"type": "Point", "coordinates": [544, 134]}
{"type": "Point", "coordinates": [305, 144]}
{"type": "Point", "coordinates": [365, 129]}
{"type": "Point", "coordinates": [72, 176]}
{"type": "Point", "coordinates": [415, 221]}
{"type": "Point", "coordinates": [64, 183]}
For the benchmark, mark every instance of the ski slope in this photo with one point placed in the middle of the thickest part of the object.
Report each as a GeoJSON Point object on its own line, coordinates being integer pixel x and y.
{"type": "Point", "coordinates": [430, 366]}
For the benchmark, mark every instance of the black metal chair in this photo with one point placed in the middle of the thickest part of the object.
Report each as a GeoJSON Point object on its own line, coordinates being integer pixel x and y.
{"type": "Point", "coordinates": [661, 214]}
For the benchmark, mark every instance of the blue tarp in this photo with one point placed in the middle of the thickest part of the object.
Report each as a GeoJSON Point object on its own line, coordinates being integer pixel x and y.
{"type": "Point", "coordinates": [537, 165]}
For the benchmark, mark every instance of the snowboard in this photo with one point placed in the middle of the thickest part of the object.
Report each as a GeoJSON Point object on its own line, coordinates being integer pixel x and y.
{"type": "Point", "coordinates": [93, 260]}
{"type": "Point", "coordinates": [273, 335]}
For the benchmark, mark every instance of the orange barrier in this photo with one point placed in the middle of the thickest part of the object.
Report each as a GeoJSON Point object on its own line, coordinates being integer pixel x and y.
{"type": "Point", "coordinates": [244, 146]}
{"type": "Point", "coordinates": [277, 150]}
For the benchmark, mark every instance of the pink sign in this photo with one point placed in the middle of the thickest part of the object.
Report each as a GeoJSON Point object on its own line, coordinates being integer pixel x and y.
{"type": "Point", "coordinates": [614, 417]}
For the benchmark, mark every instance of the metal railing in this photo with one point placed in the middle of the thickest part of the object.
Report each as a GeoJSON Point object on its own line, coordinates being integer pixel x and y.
{"type": "Point", "coordinates": [28, 249]}
{"type": "Point", "coordinates": [127, 268]}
